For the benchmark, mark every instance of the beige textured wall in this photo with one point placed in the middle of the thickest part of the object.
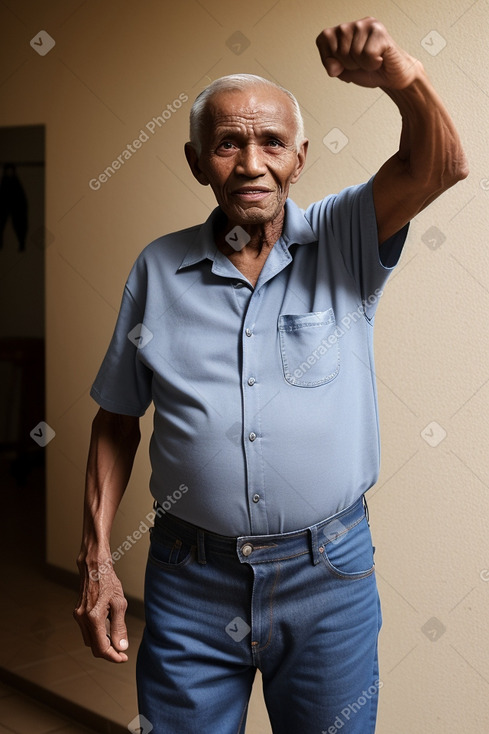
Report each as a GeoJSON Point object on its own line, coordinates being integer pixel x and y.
{"type": "Point", "coordinates": [114, 67]}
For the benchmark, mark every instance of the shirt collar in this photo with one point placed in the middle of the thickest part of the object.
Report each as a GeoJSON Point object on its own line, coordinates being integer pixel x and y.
{"type": "Point", "coordinates": [297, 230]}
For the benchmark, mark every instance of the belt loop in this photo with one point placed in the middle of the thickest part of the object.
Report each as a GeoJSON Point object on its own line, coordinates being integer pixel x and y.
{"type": "Point", "coordinates": [201, 547]}
{"type": "Point", "coordinates": [313, 537]}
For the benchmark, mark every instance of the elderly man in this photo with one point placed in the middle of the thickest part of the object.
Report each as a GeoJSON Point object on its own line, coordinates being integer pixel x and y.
{"type": "Point", "coordinates": [252, 335]}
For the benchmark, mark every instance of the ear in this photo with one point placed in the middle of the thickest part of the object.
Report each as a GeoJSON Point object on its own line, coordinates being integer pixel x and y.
{"type": "Point", "coordinates": [193, 162]}
{"type": "Point", "coordinates": [301, 160]}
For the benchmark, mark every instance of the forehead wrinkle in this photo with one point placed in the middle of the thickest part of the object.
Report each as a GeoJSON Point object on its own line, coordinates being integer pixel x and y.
{"type": "Point", "coordinates": [249, 106]}
{"type": "Point", "coordinates": [249, 114]}
{"type": "Point", "coordinates": [249, 124]}
{"type": "Point", "coordinates": [237, 122]}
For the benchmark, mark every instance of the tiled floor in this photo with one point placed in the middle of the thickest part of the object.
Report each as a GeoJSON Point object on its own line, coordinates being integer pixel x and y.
{"type": "Point", "coordinates": [20, 714]}
{"type": "Point", "coordinates": [41, 644]}
{"type": "Point", "coordinates": [42, 649]}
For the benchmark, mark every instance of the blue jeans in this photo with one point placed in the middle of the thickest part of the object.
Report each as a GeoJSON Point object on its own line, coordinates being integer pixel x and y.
{"type": "Point", "coordinates": [302, 607]}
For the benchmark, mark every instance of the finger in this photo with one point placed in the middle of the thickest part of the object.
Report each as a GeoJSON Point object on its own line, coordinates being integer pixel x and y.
{"type": "Point", "coordinates": [360, 45]}
{"type": "Point", "coordinates": [357, 45]}
{"type": "Point", "coordinates": [375, 46]}
{"type": "Point", "coordinates": [344, 39]}
{"type": "Point", "coordinates": [118, 630]}
{"type": "Point", "coordinates": [108, 652]}
{"type": "Point", "coordinates": [79, 617]}
{"type": "Point", "coordinates": [333, 66]}
{"type": "Point", "coordinates": [339, 44]}
{"type": "Point", "coordinates": [86, 623]}
{"type": "Point", "coordinates": [366, 46]}
{"type": "Point", "coordinates": [327, 43]}
{"type": "Point", "coordinates": [101, 644]}
{"type": "Point", "coordinates": [113, 655]}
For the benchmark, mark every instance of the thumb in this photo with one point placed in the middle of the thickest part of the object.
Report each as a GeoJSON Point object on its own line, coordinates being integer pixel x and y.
{"type": "Point", "coordinates": [333, 66]}
{"type": "Point", "coordinates": [118, 629]}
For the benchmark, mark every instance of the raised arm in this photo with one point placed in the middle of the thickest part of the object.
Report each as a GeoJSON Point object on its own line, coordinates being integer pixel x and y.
{"type": "Point", "coordinates": [113, 446]}
{"type": "Point", "coordinates": [430, 158]}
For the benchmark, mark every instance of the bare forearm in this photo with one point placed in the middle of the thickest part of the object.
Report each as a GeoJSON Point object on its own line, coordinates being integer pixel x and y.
{"type": "Point", "coordinates": [430, 146]}
{"type": "Point", "coordinates": [113, 446]}
{"type": "Point", "coordinates": [430, 158]}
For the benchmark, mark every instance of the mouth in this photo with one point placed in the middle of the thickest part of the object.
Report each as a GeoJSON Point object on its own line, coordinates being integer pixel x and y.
{"type": "Point", "coordinates": [251, 193]}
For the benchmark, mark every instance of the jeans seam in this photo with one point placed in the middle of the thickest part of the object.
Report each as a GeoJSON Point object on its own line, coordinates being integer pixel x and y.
{"type": "Point", "coordinates": [271, 609]}
{"type": "Point", "coordinates": [242, 719]}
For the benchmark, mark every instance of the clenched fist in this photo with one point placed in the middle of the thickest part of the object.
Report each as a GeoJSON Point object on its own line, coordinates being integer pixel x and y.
{"type": "Point", "coordinates": [364, 53]}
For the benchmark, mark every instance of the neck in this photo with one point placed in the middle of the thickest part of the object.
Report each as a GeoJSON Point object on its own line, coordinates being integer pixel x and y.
{"type": "Point", "coordinates": [257, 236]}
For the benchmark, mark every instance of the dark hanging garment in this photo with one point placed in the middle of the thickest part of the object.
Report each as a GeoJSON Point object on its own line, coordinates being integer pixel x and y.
{"type": "Point", "coordinates": [13, 203]}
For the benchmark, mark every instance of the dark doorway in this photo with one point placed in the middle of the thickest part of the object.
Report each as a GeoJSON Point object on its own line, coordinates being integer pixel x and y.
{"type": "Point", "coordinates": [22, 327]}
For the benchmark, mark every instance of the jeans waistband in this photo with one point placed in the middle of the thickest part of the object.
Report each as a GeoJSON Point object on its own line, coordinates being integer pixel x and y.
{"type": "Point", "coordinates": [264, 548]}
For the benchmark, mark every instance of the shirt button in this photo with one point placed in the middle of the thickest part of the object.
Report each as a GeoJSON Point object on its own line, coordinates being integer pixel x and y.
{"type": "Point", "coordinates": [256, 498]}
{"type": "Point", "coordinates": [247, 549]}
{"type": "Point", "coordinates": [251, 381]}
{"type": "Point", "coordinates": [252, 436]}
{"type": "Point", "coordinates": [248, 332]}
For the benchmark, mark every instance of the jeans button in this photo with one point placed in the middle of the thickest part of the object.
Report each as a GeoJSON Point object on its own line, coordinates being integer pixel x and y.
{"type": "Point", "coordinates": [247, 549]}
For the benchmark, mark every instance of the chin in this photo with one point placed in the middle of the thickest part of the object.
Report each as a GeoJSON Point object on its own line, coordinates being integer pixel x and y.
{"type": "Point", "coordinates": [255, 215]}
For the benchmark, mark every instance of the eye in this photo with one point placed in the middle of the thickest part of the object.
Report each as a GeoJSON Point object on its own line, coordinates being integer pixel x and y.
{"type": "Point", "coordinates": [225, 145]}
{"type": "Point", "coordinates": [274, 143]}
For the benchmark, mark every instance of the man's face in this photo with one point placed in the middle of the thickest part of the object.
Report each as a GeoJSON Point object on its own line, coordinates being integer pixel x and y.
{"type": "Point", "coordinates": [249, 154]}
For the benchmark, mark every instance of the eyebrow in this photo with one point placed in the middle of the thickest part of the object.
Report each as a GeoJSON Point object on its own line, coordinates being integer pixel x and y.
{"type": "Point", "coordinates": [265, 132]}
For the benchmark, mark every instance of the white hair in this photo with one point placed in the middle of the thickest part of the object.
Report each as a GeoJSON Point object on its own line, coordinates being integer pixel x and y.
{"type": "Point", "coordinates": [230, 83]}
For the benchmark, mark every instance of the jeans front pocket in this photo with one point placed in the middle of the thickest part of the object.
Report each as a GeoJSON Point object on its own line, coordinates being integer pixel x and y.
{"type": "Point", "coordinates": [348, 552]}
{"type": "Point", "coordinates": [309, 348]}
{"type": "Point", "coordinates": [167, 551]}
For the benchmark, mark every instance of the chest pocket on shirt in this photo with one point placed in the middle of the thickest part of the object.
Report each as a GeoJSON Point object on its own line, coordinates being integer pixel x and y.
{"type": "Point", "coordinates": [309, 348]}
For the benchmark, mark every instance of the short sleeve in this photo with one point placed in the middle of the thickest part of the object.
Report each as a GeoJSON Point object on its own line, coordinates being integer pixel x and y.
{"type": "Point", "coordinates": [123, 383]}
{"type": "Point", "coordinates": [347, 221]}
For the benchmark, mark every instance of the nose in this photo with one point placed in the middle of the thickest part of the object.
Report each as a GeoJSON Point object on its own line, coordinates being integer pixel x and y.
{"type": "Point", "coordinates": [250, 162]}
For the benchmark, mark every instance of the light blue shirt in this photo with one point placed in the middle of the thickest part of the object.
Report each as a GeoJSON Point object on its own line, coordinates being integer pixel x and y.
{"type": "Point", "coordinates": [265, 400]}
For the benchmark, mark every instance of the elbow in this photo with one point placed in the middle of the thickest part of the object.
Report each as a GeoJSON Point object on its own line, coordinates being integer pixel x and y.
{"type": "Point", "coordinates": [463, 171]}
{"type": "Point", "coordinates": [459, 165]}
{"type": "Point", "coordinates": [449, 165]}
{"type": "Point", "coordinates": [459, 168]}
